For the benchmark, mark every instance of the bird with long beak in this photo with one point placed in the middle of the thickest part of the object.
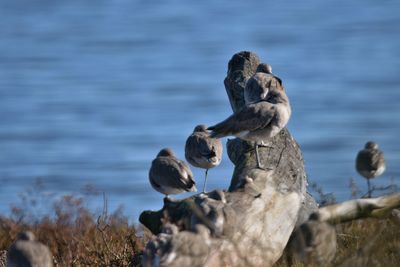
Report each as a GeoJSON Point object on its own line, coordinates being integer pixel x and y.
{"type": "Point", "coordinates": [265, 114]}
{"type": "Point", "coordinates": [202, 151]}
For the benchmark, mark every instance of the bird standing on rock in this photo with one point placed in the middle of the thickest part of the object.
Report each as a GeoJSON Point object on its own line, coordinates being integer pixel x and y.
{"type": "Point", "coordinates": [169, 175]}
{"type": "Point", "coordinates": [27, 252]}
{"type": "Point", "coordinates": [203, 151]}
{"type": "Point", "coordinates": [370, 162]}
{"type": "Point", "coordinates": [267, 111]}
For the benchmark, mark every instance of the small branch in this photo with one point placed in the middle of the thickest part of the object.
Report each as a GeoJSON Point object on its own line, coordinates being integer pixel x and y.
{"type": "Point", "coordinates": [391, 187]}
{"type": "Point", "coordinates": [102, 226]}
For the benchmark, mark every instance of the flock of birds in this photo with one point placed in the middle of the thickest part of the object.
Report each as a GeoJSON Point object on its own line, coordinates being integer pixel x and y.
{"type": "Point", "coordinates": [266, 112]}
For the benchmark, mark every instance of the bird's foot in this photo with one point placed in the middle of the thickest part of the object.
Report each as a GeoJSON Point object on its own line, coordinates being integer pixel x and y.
{"type": "Point", "coordinates": [264, 168]}
{"type": "Point", "coordinates": [265, 145]}
{"type": "Point", "coordinates": [203, 195]}
{"type": "Point", "coordinates": [203, 192]}
{"type": "Point", "coordinates": [167, 199]}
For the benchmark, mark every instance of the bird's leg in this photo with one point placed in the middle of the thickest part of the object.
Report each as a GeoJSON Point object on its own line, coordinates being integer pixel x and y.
{"type": "Point", "coordinates": [205, 182]}
{"type": "Point", "coordinates": [262, 144]}
{"type": "Point", "coordinates": [369, 188]}
{"type": "Point", "coordinates": [257, 156]}
{"type": "Point", "coordinates": [166, 199]}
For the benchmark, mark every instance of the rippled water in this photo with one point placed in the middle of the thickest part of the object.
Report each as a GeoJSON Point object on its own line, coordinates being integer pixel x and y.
{"type": "Point", "coordinates": [91, 91]}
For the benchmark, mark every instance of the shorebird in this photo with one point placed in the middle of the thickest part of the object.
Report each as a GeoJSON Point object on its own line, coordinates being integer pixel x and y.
{"type": "Point", "coordinates": [202, 151]}
{"type": "Point", "coordinates": [370, 162]}
{"type": "Point", "coordinates": [262, 118]}
{"type": "Point", "coordinates": [258, 86]}
{"type": "Point", "coordinates": [314, 242]}
{"type": "Point", "coordinates": [169, 175]}
{"type": "Point", "coordinates": [266, 68]}
{"type": "Point", "coordinates": [27, 252]}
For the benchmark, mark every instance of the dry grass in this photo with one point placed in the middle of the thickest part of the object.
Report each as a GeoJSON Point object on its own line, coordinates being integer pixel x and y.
{"type": "Point", "coordinates": [77, 237]}
{"type": "Point", "coordinates": [369, 242]}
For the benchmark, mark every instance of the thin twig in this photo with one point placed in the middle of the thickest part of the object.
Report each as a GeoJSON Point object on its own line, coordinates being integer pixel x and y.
{"type": "Point", "coordinates": [103, 220]}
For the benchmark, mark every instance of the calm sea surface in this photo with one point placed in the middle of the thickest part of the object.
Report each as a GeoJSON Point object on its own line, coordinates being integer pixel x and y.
{"type": "Point", "coordinates": [91, 91]}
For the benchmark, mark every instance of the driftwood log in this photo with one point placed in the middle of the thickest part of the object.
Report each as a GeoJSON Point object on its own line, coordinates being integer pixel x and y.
{"type": "Point", "coordinates": [379, 207]}
{"type": "Point", "coordinates": [250, 223]}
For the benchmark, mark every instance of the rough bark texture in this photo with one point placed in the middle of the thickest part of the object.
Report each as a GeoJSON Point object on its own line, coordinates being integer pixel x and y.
{"type": "Point", "coordinates": [248, 225]}
{"type": "Point", "coordinates": [240, 68]}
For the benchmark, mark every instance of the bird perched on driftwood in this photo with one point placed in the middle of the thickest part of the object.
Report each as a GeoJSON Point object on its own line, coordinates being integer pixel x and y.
{"type": "Point", "coordinates": [27, 252]}
{"type": "Point", "coordinates": [169, 175]}
{"type": "Point", "coordinates": [370, 163]}
{"type": "Point", "coordinates": [266, 68]}
{"type": "Point", "coordinates": [266, 112]}
{"type": "Point", "coordinates": [202, 151]}
{"type": "Point", "coordinates": [314, 242]}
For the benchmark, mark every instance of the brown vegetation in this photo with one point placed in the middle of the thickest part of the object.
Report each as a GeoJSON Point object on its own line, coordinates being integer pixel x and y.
{"type": "Point", "coordinates": [76, 237]}
{"type": "Point", "coordinates": [368, 242]}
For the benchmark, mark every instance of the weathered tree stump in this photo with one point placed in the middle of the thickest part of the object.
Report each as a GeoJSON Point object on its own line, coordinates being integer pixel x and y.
{"type": "Point", "coordinates": [248, 225]}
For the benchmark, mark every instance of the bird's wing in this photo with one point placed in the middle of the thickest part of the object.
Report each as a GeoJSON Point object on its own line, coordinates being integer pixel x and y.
{"type": "Point", "coordinates": [202, 145]}
{"type": "Point", "coordinates": [186, 171]}
{"type": "Point", "coordinates": [250, 118]}
{"type": "Point", "coordinates": [377, 160]}
{"type": "Point", "coordinates": [207, 146]}
{"type": "Point", "coordinates": [216, 147]}
{"type": "Point", "coordinates": [192, 149]}
{"type": "Point", "coordinates": [171, 172]}
{"type": "Point", "coordinates": [278, 79]}
{"type": "Point", "coordinates": [364, 161]}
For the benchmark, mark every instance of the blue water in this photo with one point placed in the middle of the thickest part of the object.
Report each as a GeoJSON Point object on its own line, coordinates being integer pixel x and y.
{"type": "Point", "coordinates": [91, 91]}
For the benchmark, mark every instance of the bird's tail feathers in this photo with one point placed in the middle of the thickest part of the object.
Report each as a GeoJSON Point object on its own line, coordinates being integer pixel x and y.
{"type": "Point", "coordinates": [219, 130]}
